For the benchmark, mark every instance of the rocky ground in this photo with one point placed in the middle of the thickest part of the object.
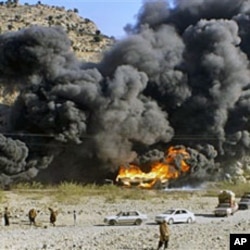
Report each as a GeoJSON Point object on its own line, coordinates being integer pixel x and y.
{"type": "Point", "coordinates": [89, 232]}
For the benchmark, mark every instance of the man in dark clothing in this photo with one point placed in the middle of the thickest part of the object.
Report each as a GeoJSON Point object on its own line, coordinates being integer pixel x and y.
{"type": "Point", "coordinates": [164, 235]}
{"type": "Point", "coordinates": [53, 215]}
{"type": "Point", "coordinates": [6, 216]}
{"type": "Point", "coordinates": [74, 215]}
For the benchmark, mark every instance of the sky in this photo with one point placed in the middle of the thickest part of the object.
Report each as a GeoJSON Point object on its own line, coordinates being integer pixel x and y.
{"type": "Point", "coordinates": [110, 16]}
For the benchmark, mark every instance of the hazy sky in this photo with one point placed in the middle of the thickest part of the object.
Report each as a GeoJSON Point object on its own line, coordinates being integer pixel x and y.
{"type": "Point", "coordinates": [109, 15]}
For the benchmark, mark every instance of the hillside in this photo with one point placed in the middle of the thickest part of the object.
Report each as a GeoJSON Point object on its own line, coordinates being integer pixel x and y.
{"type": "Point", "coordinates": [87, 40]}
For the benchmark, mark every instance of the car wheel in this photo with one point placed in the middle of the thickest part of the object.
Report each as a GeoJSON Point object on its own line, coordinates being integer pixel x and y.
{"type": "Point", "coordinates": [138, 222]}
{"type": "Point", "coordinates": [189, 220]}
{"type": "Point", "coordinates": [170, 221]}
{"type": "Point", "coordinates": [112, 222]}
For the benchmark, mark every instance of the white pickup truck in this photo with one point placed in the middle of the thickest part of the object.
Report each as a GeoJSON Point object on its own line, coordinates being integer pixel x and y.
{"type": "Point", "coordinates": [225, 209]}
{"type": "Point", "coordinates": [227, 203]}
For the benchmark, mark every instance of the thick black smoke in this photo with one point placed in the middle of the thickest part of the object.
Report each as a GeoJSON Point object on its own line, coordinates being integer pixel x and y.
{"type": "Point", "coordinates": [181, 77]}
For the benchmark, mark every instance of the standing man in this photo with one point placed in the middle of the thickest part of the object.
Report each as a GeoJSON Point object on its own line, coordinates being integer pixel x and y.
{"type": "Point", "coordinates": [32, 216]}
{"type": "Point", "coordinates": [74, 215]}
{"type": "Point", "coordinates": [6, 216]}
{"type": "Point", "coordinates": [53, 215]}
{"type": "Point", "coordinates": [164, 235]}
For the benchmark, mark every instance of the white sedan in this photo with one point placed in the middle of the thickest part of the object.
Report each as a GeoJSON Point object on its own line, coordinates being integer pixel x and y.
{"type": "Point", "coordinates": [176, 215]}
{"type": "Point", "coordinates": [127, 217]}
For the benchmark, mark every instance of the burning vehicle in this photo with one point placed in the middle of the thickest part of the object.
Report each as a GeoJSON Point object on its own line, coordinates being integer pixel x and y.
{"type": "Point", "coordinates": [149, 113]}
{"type": "Point", "coordinates": [171, 167]}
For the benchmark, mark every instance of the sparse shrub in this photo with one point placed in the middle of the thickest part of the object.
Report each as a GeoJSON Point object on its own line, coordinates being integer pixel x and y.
{"type": "Point", "coordinates": [10, 26]}
{"type": "Point", "coordinates": [70, 188]}
{"type": "Point", "coordinates": [17, 17]}
{"type": "Point", "coordinates": [87, 20]}
{"type": "Point", "coordinates": [28, 186]}
{"type": "Point", "coordinates": [74, 193]}
{"type": "Point", "coordinates": [97, 38]}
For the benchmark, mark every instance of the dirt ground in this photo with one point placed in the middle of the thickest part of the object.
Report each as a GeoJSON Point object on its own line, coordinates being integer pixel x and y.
{"type": "Point", "coordinates": [88, 231]}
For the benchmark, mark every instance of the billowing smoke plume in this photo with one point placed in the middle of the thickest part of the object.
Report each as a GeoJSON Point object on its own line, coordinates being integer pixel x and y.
{"type": "Point", "coordinates": [180, 78]}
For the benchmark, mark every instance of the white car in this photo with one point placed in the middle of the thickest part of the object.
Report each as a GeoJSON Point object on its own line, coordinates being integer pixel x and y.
{"type": "Point", "coordinates": [176, 215]}
{"type": "Point", "coordinates": [126, 217]}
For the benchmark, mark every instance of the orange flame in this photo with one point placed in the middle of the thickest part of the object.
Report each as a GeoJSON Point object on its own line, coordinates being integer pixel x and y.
{"type": "Point", "coordinates": [160, 171]}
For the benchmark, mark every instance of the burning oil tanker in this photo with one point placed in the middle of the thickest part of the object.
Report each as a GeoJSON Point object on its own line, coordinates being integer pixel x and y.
{"type": "Point", "coordinates": [171, 167]}
{"type": "Point", "coordinates": [180, 80]}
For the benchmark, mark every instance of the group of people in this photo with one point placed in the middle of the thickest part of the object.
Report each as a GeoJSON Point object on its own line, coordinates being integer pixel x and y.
{"type": "Point", "coordinates": [32, 214]}
{"type": "Point", "coordinates": [163, 228]}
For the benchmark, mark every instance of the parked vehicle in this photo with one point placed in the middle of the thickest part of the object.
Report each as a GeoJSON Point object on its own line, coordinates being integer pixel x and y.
{"type": "Point", "coordinates": [244, 202]}
{"type": "Point", "coordinates": [126, 217]}
{"type": "Point", "coordinates": [225, 209]}
{"type": "Point", "coordinates": [176, 215]}
{"type": "Point", "coordinates": [227, 204]}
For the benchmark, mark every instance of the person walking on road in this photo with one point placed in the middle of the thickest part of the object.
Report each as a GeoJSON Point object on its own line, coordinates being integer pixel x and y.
{"type": "Point", "coordinates": [164, 235]}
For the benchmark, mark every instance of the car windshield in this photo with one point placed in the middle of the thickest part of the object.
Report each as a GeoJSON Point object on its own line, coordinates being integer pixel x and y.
{"type": "Point", "coordinates": [245, 197]}
{"type": "Point", "coordinates": [226, 205]}
{"type": "Point", "coordinates": [170, 211]}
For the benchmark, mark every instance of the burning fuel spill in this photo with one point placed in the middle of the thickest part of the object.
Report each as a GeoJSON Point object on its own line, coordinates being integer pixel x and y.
{"type": "Point", "coordinates": [180, 80]}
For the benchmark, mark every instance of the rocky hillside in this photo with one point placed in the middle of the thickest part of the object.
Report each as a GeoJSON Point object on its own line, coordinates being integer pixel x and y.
{"type": "Point", "coordinates": [88, 42]}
